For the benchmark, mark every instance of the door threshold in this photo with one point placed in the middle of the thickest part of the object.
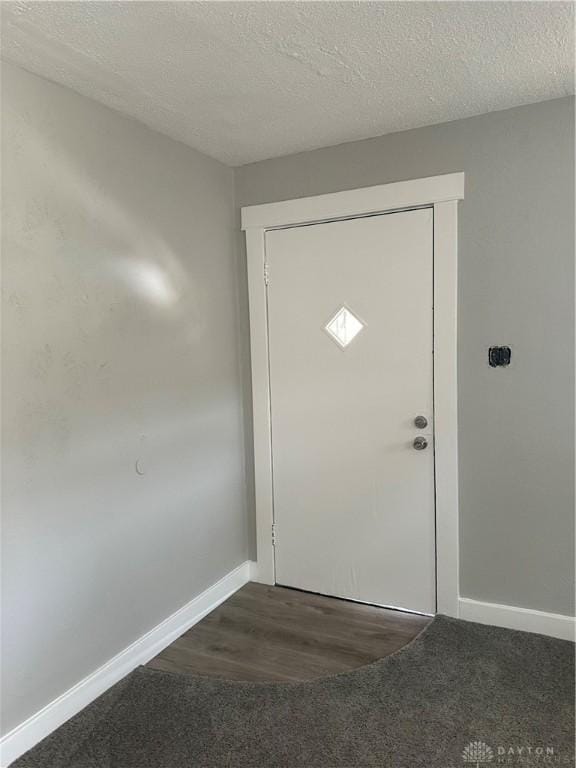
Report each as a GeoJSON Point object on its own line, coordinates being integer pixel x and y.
{"type": "Point", "coordinates": [354, 600]}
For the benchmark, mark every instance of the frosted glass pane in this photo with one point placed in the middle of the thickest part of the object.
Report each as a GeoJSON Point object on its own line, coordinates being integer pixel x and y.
{"type": "Point", "coordinates": [344, 327]}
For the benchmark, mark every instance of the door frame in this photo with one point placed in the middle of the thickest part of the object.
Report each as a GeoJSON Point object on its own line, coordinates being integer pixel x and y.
{"type": "Point", "coordinates": [441, 193]}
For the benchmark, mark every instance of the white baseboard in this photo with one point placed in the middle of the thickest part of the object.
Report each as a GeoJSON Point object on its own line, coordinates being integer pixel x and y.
{"type": "Point", "coordinates": [512, 617]}
{"type": "Point", "coordinates": [53, 715]}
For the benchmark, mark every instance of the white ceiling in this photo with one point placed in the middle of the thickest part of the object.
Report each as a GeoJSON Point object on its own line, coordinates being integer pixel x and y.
{"type": "Point", "coordinates": [244, 81]}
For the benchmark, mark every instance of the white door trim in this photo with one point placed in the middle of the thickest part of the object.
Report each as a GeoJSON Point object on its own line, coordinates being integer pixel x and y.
{"type": "Point", "coordinates": [355, 202]}
{"type": "Point", "coordinates": [443, 193]}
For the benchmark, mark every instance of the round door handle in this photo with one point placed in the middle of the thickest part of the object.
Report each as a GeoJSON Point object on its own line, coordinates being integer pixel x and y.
{"type": "Point", "coordinates": [421, 422]}
{"type": "Point", "coordinates": [420, 443]}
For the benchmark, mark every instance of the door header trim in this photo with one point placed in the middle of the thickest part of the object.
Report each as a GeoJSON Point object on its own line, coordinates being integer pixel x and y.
{"type": "Point", "coordinates": [355, 202]}
{"type": "Point", "coordinates": [442, 193]}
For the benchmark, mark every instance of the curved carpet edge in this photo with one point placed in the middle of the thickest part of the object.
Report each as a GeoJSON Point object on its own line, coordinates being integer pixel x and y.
{"type": "Point", "coordinates": [456, 684]}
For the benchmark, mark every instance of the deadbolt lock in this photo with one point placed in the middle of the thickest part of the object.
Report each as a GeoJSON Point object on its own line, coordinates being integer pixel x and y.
{"type": "Point", "coordinates": [420, 443]}
{"type": "Point", "coordinates": [421, 422]}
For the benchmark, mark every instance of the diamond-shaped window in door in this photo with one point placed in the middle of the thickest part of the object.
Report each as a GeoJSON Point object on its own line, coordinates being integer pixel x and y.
{"type": "Point", "coordinates": [344, 327]}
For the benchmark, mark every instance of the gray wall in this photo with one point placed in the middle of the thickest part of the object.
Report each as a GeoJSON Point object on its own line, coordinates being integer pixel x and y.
{"type": "Point", "coordinates": [516, 259]}
{"type": "Point", "coordinates": [120, 346]}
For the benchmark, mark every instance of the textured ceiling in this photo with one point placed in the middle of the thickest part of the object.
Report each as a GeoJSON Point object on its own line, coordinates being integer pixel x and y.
{"type": "Point", "coordinates": [244, 81]}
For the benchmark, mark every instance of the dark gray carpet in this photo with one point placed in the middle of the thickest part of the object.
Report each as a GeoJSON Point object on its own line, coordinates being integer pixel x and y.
{"type": "Point", "coordinates": [456, 683]}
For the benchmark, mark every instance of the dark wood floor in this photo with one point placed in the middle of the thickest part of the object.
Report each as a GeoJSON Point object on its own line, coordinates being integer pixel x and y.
{"type": "Point", "coordinates": [274, 633]}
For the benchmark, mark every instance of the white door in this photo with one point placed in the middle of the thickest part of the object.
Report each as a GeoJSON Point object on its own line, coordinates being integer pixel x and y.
{"type": "Point", "coordinates": [350, 354]}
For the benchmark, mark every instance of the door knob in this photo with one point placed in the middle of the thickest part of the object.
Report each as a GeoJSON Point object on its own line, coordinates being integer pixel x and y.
{"type": "Point", "coordinates": [421, 422]}
{"type": "Point", "coordinates": [420, 443]}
